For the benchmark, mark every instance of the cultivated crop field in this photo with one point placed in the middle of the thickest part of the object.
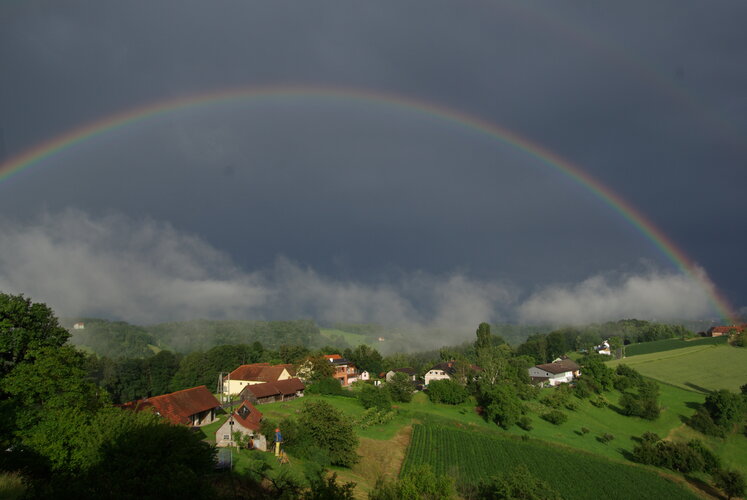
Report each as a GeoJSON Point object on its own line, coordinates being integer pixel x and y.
{"type": "Point", "coordinates": [701, 368]}
{"type": "Point", "coordinates": [671, 344]}
{"type": "Point", "coordinates": [472, 457]}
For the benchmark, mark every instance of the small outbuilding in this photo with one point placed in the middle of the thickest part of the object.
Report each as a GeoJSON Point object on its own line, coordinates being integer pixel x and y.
{"type": "Point", "coordinates": [246, 421]}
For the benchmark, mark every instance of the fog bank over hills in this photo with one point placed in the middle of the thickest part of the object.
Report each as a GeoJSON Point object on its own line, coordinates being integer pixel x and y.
{"type": "Point", "coordinates": [146, 271]}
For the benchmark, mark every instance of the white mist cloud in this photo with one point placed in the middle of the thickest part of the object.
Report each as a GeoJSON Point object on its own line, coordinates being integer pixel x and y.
{"type": "Point", "coordinates": [653, 295]}
{"type": "Point", "coordinates": [144, 271]}
{"type": "Point", "coordinates": [147, 271]}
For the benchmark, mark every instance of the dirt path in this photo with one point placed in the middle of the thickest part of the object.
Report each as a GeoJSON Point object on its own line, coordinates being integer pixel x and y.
{"type": "Point", "coordinates": [378, 459]}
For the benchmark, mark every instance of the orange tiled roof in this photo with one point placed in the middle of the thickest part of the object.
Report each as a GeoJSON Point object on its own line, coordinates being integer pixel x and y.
{"type": "Point", "coordinates": [178, 406]}
{"type": "Point", "coordinates": [251, 416]}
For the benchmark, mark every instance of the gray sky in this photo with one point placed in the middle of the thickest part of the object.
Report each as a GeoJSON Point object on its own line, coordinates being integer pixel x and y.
{"type": "Point", "coordinates": [363, 211]}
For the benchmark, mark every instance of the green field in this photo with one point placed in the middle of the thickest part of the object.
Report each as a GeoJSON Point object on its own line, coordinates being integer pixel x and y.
{"type": "Point", "coordinates": [353, 339]}
{"type": "Point", "coordinates": [670, 344]}
{"type": "Point", "coordinates": [702, 368]}
{"type": "Point", "coordinates": [471, 457]}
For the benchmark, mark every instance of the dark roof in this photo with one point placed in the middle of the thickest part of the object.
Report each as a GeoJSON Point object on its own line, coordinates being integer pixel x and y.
{"type": "Point", "coordinates": [409, 371]}
{"type": "Point", "coordinates": [178, 406]}
{"type": "Point", "coordinates": [257, 371]}
{"type": "Point", "coordinates": [248, 416]}
{"type": "Point", "coordinates": [281, 387]}
{"type": "Point", "coordinates": [562, 366]}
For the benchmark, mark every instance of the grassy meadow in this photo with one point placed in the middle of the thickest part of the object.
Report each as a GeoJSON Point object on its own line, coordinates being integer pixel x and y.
{"type": "Point", "coordinates": [671, 344]}
{"type": "Point", "coordinates": [701, 368]}
{"type": "Point", "coordinates": [353, 339]}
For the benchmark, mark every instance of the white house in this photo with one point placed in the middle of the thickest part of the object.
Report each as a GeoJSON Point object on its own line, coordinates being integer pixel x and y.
{"type": "Point", "coordinates": [245, 420]}
{"type": "Point", "coordinates": [604, 348]}
{"type": "Point", "coordinates": [557, 372]}
{"type": "Point", "coordinates": [364, 375]}
{"type": "Point", "coordinates": [407, 371]}
{"type": "Point", "coordinates": [439, 372]}
{"type": "Point", "coordinates": [257, 373]}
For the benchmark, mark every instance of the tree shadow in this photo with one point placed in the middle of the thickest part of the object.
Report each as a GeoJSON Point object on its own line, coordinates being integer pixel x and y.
{"type": "Point", "coordinates": [626, 454]}
{"type": "Point", "coordinates": [692, 405]}
{"type": "Point", "coordinates": [617, 409]}
{"type": "Point", "coordinates": [698, 388]}
{"type": "Point", "coordinates": [704, 487]}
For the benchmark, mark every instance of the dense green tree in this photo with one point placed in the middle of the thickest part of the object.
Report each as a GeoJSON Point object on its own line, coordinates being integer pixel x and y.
{"type": "Point", "coordinates": [447, 391]}
{"type": "Point", "coordinates": [371, 396]}
{"type": "Point", "coordinates": [725, 407]}
{"type": "Point", "coordinates": [400, 387]}
{"type": "Point", "coordinates": [25, 328]}
{"type": "Point", "coordinates": [417, 483]}
{"type": "Point", "coordinates": [366, 358]}
{"type": "Point", "coordinates": [331, 431]}
{"type": "Point", "coordinates": [315, 368]}
{"type": "Point", "coordinates": [294, 353]}
{"type": "Point", "coordinates": [484, 337]}
{"type": "Point", "coordinates": [501, 405]}
{"type": "Point", "coordinates": [518, 483]}
{"type": "Point", "coordinates": [731, 482]}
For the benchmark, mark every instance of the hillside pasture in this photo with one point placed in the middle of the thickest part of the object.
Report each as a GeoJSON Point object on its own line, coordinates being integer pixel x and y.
{"type": "Point", "coordinates": [671, 344]}
{"type": "Point", "coordinates": [471, 457]}
{"type": "Point", "coordinates": [352, 339]}
{"type": "Point", "coordinates": [701, 368]}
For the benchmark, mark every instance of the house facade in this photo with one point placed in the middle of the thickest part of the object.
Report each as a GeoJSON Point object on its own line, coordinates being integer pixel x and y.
{"type": "Point", "coordinates": [345, 371]}
{"type": "Point", "coordinates": [193, 407]}
{"type": "Point", "coordinates": [256, 373]}
{"type": "Point", "coordinates": [441, 371]}
{"type": "Point", "coordinates": [719, 331]}
{"type": "Point", "coordinates": [245, 420]}
{"type": "Point", "coordinates": [557, 372]}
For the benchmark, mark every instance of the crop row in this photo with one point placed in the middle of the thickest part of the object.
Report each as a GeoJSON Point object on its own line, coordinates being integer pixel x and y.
{"type": "Point", "coordinates": [471, 457]}
{"type": "Point", "coordinates": [670, 344]}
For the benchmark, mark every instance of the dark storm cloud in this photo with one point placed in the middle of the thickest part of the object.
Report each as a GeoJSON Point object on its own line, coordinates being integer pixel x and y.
{"type": "Point", "coordinates": [648, 98]}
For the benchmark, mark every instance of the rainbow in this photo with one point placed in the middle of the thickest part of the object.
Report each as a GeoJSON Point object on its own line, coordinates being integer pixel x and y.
{"type": "Point", "coordinates": [45, 150]}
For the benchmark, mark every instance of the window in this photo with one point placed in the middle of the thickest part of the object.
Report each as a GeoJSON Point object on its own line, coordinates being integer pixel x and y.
{"type": "Point", "coordinates": [226, 437]}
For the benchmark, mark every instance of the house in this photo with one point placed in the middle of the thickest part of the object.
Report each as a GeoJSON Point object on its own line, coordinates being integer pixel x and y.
{"type": "Point", "coordinates": [558, 372]}
{"type": "Point", "coordinates": [245, 420]}
{"type": "Point", "coordinates": [193, 407]}
{"type": "Point", "coordinates": [446, 370]}
{"type": "Point", "coordinates": [256, 373]}
{"type": "Point", "coordinates": [364, 375]}
{"type": "Point", "coordinates": [79, 326]}
{"type": "Point", "coordinates": [718, 331]}
{"type": "Point", "coordinates": [603, 348]}
{"type": "Point", "coordinates": [269, 392]}
{"type": "Point", "coordinates": [410, 372]}
{"type": "Point", "coordinates": [345, 371]}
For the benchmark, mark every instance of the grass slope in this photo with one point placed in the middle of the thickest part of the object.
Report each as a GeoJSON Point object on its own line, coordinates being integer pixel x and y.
{"type": "Point", "coordinates": [353, 339]}
{"type": "Point", "coordinates": [670, 344]}
{"type": "Point", "coordinates": [702, 368]}
{"type": "Point", "coordinates": [471, 457]}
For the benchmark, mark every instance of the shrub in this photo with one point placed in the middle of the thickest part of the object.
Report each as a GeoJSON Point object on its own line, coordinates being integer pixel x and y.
{"type": "Point", "coordinates": [447, 391]}
{"type": "Point", "coordinates": [328, 386]}
{"type": "Point", "coordinates": [584, 430]}
{"type": "Point", "coordinates": [605, 438]}
{"type": "Point", "coordinates": [555, 417]}
{"type": "Point", "coordinates": [525, 423]}
{"type": "Point", "coordinates": [371, 396]}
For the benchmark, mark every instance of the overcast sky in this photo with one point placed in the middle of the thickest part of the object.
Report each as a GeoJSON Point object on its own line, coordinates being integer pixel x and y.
{"type": "Point", "coordinates": [357, 210]}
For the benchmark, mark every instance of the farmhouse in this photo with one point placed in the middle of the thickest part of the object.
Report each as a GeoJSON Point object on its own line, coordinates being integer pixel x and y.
{"type": "Point", "coordinates": [256, 373]}
{"type": "Point", "coordinates": [194, 407]}
{"type": "Point", "coordinates": [269, 392]}
{"type": "Point", "coordinates": [558, 372]}
{"type": "Point", "coordinates": [718, 331]}
{"type": "Point", "coordinates": [345, 371]}
{"type": "Point", "coordinates": [246, 421]}
{"type": "Point", "coordinates": [410, 372]}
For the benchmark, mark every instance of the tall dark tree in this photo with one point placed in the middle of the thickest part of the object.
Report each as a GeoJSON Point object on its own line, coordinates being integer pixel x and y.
{"type": "Point", "coordinates": [484, 338]}
{"type": "Point", "coordinates": [26, 326]}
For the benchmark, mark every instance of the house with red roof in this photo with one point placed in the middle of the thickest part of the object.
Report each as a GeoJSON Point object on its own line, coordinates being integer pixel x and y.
{"type": "Point", "coordinates": [718, 331]}
{"type": "Point", "coordinates": [270, 392]}
{"type": "Point", "coordinates": [345, 371]}
{"type": "Point", "coordinates": [193, 407]}
{"type": "Point", "coordinates": [245, 420]}
{"type": "Point", "coordinates": [255, 373]}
